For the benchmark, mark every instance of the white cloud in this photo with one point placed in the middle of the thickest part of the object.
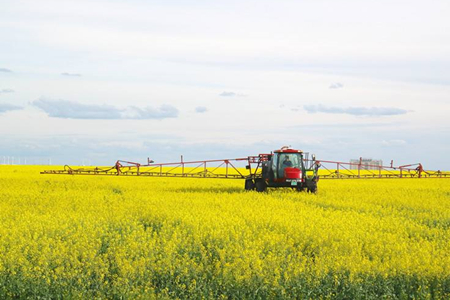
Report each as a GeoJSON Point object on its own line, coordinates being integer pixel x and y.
{"type": "Point", "coordinates": [5, 91]}
{"type": "Point", "coordinates": [71, 74]}
{"type": "Point", "coordinates": [201, 109]}
{"type": "Point", "coordinates": [232, 94]}
{"type": "Point", "coordinates": [74, 110]}
{"type": "Point", "coordinates": [390, 143]}
{"type": "Point", "coordinates": [336, 85]}
{"type": "Point", "coordinates": [356, 111]}
{"type": "Point", "coordinates": [4, 107]}
{"type": "Point", "coordinates": [227, 94]}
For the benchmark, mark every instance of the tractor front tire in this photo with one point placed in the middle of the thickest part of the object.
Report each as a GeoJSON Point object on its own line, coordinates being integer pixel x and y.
{"type": "Point", "coordinates": [312, 187]}
{"type": "Point", "coordinates": [300, 188]}
{"type": "Point", "coordinates": [261, 185]}
{"type": "Point", "coordinates": [249, 185]}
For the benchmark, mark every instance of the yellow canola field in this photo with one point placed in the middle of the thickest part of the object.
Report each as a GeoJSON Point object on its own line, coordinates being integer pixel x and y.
{"type": "Point", "coordinates": [140, 237]}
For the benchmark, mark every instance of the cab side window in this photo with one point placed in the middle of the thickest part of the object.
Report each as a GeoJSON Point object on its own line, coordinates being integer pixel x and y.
{"type": "Point", "coordinates": [274, 165]}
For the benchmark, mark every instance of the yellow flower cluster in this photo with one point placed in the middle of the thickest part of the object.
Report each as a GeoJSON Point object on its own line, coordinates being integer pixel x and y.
{"type": "Point", "coordinates": [140, 237]}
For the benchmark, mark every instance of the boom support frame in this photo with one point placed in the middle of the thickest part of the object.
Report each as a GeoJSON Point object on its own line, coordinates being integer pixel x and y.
{"type": "Point", "coordinates": [226, 169]}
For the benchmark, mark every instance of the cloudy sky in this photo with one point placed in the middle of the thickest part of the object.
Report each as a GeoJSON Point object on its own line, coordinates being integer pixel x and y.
{"type": "Point", "coordinates": [93, 81]}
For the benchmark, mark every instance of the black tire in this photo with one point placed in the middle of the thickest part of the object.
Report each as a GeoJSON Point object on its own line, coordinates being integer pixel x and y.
{"type": "Point", "coordinates": [312, 187]}
{"type": "Point", "coordinates": [260, 185]}
{"type": "Point", "coordinates": [300, 188]}
{"type": "Point", "coordinates": [249, 185]}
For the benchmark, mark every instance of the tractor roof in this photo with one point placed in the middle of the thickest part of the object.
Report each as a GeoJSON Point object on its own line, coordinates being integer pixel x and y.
{"type": "Point", "coordinates": [288, 151]}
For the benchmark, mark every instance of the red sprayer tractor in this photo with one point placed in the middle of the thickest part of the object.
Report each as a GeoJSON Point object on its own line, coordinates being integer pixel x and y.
{"type": "Point", "coordinates": [283, 168]}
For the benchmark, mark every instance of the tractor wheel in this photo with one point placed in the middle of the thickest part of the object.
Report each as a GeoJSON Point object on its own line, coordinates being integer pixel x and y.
{"type": "Point", "coordinates": [300, 188]}
{"type": "Point", "coordinates": [261, 185]}
{"type": "Point", "coordinates": [249, 185]}
{"type": "Point", "coordinates": [312, 187]}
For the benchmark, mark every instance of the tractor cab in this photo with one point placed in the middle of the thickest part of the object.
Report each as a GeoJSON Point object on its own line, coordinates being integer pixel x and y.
{"type": "Point", "coordinates": [285, 167]}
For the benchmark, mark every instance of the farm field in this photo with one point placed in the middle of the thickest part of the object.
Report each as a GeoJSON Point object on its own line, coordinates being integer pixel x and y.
{"type": "Point", "coordinates": [131, 237]}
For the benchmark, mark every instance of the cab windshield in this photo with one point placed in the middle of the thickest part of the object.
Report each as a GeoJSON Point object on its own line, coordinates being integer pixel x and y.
{"type": "Point", "coordinates": [288, 160]}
